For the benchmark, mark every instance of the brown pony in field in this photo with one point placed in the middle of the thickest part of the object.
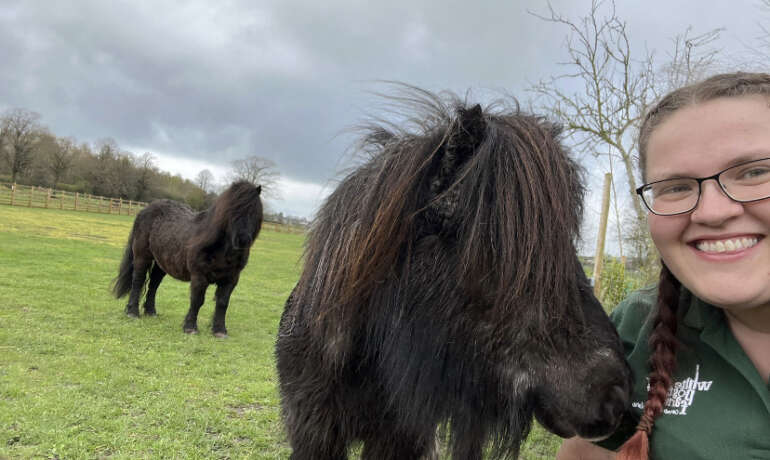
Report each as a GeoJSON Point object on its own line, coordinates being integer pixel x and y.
{"type": "Point", "coordinates": [209, 247]}
{"type": "Point", "coordinates": [441, 288]}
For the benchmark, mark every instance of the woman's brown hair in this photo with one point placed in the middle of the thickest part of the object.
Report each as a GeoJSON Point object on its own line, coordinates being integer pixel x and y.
{"type": "Point", "coordinates": [662, 341]}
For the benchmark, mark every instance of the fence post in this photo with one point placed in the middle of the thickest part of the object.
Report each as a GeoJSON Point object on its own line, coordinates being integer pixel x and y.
{"type": "Point", "coordinates": [120, 206]}
{"type": "Point", "coordinates": [110, 210]}
{"type": "Point", "coordinates": [76, 200]}
{"type": "Point", "coordinates": [61, 200]}
{"type": "Point", "coordinates": [48, 198]}
{"type": "Point", "coordinates": [599, 258]}
{"type": "Point", "coordinates": [31, 192]}
{"type": "Point", "coordinates": [13, 192]}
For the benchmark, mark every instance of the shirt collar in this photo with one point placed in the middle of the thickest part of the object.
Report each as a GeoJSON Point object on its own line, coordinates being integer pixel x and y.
{"type": "Point", "coordinates": [699, 314]}
{"type": "Point", "coordinates": [712, 327]}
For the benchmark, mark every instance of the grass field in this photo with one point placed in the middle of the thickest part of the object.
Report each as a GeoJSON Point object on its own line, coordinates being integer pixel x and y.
{"type": "Point", "coordinates": [78, 379]}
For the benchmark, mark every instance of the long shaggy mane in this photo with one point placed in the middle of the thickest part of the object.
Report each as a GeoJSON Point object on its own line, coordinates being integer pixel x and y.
{"type": "Point", "coordinates": [493, 183]}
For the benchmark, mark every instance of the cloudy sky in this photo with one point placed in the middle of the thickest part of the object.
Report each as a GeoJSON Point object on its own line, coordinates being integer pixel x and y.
{"type": "Point", "coordinates": [200, 83]}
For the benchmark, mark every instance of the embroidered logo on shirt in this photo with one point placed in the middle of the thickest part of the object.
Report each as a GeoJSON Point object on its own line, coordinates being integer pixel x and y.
{"type": "Point", "coordinates": [681, 394]}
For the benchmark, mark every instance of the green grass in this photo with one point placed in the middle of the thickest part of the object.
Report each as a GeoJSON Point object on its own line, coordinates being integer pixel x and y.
{"type": "Point", "coordinates": [78, 379]}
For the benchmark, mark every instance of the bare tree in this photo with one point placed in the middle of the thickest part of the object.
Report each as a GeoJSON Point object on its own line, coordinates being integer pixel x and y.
{"type": "Point", "coordinates": [61, 158]}
{"type": "Point", "coordinates": [616, 85]}
{"type": "Point", "coordinates": [107, 149]}
{"type": "Point", "coordinates": [205, 180]}
{"type": "Point", "coordinates": [763, 50]}
{"type": "Point", "coordinates": [145, 166]}
{"type": "Point", "coordinates": [693, 59]}
{"type": "Point", "coordinates": [19, 130]}
{"type": "Point", "coordinates": [258, 171]}
{"type": "Point", "coordinates": [113, 172]}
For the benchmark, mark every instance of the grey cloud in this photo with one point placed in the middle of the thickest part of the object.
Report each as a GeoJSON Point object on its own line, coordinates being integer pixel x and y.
{"type": "Point", "coordinates": [216, 81]}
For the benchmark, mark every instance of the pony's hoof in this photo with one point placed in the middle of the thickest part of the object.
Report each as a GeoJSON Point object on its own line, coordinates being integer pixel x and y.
{"type": "Point", "coordinates": [150, 313]}
{"type": "Point", "coordinates": [220, 335]}
{"type": "Point", "coordinates": [191, 331]}
{"type": "Point", "coordinates": [132, 314]}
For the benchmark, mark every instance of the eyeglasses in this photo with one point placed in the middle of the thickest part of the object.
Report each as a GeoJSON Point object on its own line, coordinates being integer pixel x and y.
{"type": "Point", "coordinates": [745, 182]}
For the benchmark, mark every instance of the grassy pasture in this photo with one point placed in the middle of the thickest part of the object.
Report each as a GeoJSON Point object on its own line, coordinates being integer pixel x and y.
{"type": "Point", "coordinates": [78, 379]}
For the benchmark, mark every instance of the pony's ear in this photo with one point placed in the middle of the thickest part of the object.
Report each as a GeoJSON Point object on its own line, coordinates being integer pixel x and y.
{"type": "Point", "coordinates": [465, 135]}
{"type": "Point", "coordinates": [259, 189]}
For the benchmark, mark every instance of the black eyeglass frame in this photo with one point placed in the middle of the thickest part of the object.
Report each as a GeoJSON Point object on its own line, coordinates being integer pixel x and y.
{"type": "Point", "coordinates": [700, 180]}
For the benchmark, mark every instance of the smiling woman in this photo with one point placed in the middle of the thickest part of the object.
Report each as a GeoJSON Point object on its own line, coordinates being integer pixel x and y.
{"type": "Point", "coordinates": [700, 343]}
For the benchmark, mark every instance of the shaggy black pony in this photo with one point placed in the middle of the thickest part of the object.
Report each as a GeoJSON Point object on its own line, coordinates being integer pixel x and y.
{"type": "Point", "coordinates": [209, 247]}
{"type": "Point", "coordinates": [441, 288]}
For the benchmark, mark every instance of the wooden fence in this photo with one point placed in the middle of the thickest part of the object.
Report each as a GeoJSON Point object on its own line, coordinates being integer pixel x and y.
{"type": "Point", "coordinates": [41, 197]}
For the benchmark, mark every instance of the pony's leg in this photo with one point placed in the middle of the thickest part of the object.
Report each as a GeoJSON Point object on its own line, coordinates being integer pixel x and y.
{"type": "Point", "coordinates": [137, 283]}
{"type": "Point", "coordinates": [222, 297]}
{"type": "Point", "coordinates": [197, 295]}
{"type": "Point", "coordinates": [319, 448]}
{"type": "Point", "coordinates": [392, 445]}
{"type": "Point", "coordinates": [470, 446]}
{"type": "Point", "coordinates": [156, 276]}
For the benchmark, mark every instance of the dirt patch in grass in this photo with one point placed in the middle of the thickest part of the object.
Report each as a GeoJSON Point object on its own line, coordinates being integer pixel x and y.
{"type": "Point", "coordinates": [243, 409]}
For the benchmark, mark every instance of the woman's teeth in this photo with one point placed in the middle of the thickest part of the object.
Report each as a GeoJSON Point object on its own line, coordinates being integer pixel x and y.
{"type": "Point", "coordinates": [726, 245]}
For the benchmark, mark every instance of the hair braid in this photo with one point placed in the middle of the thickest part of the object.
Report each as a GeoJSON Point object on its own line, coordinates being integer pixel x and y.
{"type": "Point", "coordinates": [663, 345]}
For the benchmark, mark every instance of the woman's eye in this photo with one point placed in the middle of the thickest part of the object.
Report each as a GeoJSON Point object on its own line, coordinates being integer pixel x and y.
{"type": "Point", "coordinates": [755, 173]}
{"type": "Point", "coordinates": [673, 189]}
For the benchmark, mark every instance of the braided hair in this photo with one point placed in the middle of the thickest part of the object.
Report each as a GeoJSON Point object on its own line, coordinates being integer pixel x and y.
{"type": "Point", "coordinates": [663, 346]}
{"type": "Point", "coordinates": [662, 341]}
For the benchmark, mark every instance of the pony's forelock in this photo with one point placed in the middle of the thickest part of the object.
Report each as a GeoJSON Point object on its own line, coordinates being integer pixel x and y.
{"type": "Point", "coordinates": [520, 182]}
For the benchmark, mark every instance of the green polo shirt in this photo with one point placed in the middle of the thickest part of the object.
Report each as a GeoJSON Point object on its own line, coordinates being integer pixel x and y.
{"type": "Point", "coordinates": [718, 406]}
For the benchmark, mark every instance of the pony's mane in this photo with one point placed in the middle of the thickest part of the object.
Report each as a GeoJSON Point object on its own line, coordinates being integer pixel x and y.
{"type": "Point", "coordinates": [494, 183]}
{"type": "Point", "coordinates": [242, 197]}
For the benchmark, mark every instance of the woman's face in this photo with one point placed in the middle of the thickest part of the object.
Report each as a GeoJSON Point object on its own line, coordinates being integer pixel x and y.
{"type": "Point", "coordinates": [698, 141]}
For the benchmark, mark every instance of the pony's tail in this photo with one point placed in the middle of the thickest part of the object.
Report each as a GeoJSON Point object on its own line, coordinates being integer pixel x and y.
{"type": "Point", "coordinates": [663, 345]}
{"type": "Point", "coordinates": [121, 285]}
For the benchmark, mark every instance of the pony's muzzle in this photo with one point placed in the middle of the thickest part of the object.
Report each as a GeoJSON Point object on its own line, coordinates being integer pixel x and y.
{"type": "Point", "coordinates": [613, 400]}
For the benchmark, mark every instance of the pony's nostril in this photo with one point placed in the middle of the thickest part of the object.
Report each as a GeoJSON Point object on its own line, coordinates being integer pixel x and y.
{"type": "Point", "coordinates": [617, 402]}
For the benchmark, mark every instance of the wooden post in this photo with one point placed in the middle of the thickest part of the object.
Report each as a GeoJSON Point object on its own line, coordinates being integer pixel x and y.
{"type": "Point", "coordinates": [76, 200]}
{"type": "Point", "coordinates": [110, 210]}
{"type": "Point", "coordinates": [48, 198]}
{"type": "Point", "coordinates": [120, 206]}
{"type": "Point", "coordinates": [599, 258]}
{"type": "Point", "coordinates": [13, 192]}
{"type": "Point", "coordinates": [61, 200]}
{"type": "Point", "coordinates": [31, 192]}
{"type": "Point", "coordinates": [129, 207]}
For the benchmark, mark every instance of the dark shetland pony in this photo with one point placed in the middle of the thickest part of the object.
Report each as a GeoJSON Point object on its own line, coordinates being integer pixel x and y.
{"type": "Point", "coordinates": [442, 297]}
{"type": "Point", "coordinates": [209, 247]}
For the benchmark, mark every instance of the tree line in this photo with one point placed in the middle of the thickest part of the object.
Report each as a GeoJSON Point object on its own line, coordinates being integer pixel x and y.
{"type": "Point", "coordinates": [31, 154]}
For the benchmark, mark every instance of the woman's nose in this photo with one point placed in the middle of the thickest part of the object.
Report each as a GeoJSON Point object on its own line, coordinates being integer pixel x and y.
{"type": "Point", "coordinates": [714, 206]}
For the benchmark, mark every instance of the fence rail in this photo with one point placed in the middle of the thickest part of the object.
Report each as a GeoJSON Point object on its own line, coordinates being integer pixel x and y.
{"type": "Point", "coordinates": [41, 197]}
